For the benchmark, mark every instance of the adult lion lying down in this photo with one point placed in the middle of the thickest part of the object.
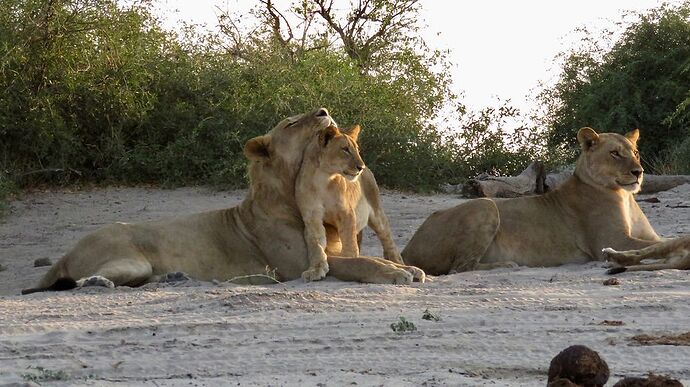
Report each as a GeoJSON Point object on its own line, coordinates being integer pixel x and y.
{"type": "Point", "coordinates": [592, 210]}
{"type": "Point", "coordinates": [264, 230]}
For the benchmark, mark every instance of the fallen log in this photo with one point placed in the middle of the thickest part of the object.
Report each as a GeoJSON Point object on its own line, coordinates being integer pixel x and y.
{"type": "Point", "coordinates": [534, 181]}
{"type": "Point", "coordinates": [529, 182]}
{"type": "Point", "coordinates": [658, 183]}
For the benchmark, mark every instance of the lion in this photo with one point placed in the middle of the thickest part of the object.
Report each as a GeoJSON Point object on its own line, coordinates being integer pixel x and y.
{"type": "Point", "coordinates": [674, 252]}
{"type": "Point", "coordinates": [265, 230]}
{"type": "Point", "coordinates": [593, 209]}
{"type": "Point", "coordinates": [334, 189]}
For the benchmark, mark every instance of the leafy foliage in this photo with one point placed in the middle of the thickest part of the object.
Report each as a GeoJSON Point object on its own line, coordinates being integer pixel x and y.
{"type": "Point", "coordinates": [45, 375]}
{"type": "Point", "coordinates": [403, 325]}
{"type": "Point", "coordinates": [100, 92]}
{"type": "Point", "coordinates": [642, 81]}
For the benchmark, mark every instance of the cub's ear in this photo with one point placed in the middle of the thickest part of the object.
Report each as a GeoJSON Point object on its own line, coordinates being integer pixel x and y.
{"type": "Point", "coordinates": [633, 136]}
{"type": "Point", "coordinates": [326, 135]}
{"type": "Point", "coordinates": [354, 132]}
{"type": "Point", "coordinates": [587, 138]}
{"type": "Point", "coordinates": [256, 149]}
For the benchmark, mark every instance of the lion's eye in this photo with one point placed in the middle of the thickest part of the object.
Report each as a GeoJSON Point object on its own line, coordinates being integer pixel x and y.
{"type": "Point", "coordinates": [346, 150]}
{"type": "Point", "coordinates": [615, 154]}
{"type": "Point", "coordinates": [290, 124]}
{"type": "Point", "coordinates": [637, 154]}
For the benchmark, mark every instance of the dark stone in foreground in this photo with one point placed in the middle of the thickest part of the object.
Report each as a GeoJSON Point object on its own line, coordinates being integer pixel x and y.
{"type": "Point", "coordinates": [43, 262]}
{"type": "Point", "coordinates": [650, 381]}
{"type": "Point", "coordinates": [579, 365]}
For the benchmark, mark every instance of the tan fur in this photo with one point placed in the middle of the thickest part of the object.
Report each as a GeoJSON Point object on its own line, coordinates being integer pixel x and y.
{"type": "Point", "coordinates": [264, 230]}
{"type": "Point", "coordinates": [675, 254]}
{"type": "Point", "coordinates": [333, 188]}
{"type": "Point", "coordinates": [593, 209]}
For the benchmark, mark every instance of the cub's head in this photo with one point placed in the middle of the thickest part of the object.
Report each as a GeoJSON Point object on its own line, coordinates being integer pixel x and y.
{"type": "Point", "coordinates": [339, 152]}
{"type": "Point", "coordinates": [610, 160]}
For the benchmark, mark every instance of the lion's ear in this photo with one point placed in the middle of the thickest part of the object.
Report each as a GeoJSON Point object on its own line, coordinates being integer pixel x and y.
{"type": "Point", "coordinates": [633, 136]}
{"type": "Point", "coordinates": [354, 132]}
{"type": "Point", "coordinates": [256, 149]}
{"type": "Point", "coordinates": [327, 135]}
{"type": "Point", "coordinates": [587, 138]}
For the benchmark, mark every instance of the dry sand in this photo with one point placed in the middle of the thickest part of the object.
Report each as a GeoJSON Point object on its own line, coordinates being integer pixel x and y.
{"type": "Point", "coordinates": [498, 328]}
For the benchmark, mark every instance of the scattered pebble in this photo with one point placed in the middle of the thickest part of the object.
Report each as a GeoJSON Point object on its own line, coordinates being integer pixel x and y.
{"type": "Point", "coordinates": [612, 281]}
{"type": "Point", "coordinates": [650, 381]}
{"type": "Point", "coordinates": [40, 262]}
{"type": "Point", "coordinates": [613, 323]}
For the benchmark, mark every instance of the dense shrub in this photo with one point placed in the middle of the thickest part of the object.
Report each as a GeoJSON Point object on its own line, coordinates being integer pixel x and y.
{"type": "Point", "coordinates": [99, 92]}
{"type": "Point", "coordinates": [640, 82]}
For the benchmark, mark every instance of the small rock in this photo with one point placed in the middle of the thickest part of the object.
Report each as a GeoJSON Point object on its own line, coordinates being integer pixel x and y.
{"type": "Point", "coordinates": [580, 365]}
{"type": "Point", "coordinates": [562, 383]}
{"type": "Point", "coordinates": [650, 200]}
{"type": "Point", "coordinates": [650, 381]}
{"type": "Point", "coordinates": [612, 281]}
{"type": "Point", "coordinates": [43, 262]}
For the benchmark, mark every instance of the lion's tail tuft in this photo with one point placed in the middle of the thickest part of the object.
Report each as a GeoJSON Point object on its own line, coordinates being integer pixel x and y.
{"type": "Point", "coordinates": [56, 279]}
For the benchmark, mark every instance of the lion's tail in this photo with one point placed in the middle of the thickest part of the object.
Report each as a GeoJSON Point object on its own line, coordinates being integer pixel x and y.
{"type": "Point", "coordinates": [55, 279]}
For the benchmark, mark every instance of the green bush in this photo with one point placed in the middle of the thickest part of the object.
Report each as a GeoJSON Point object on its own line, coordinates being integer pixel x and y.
{"type": "Point", "coordinates": [99, 92]}
{"type": "Point", "coordinates": [676, 161]}
{"type": "Point", "coordinates": [641, 82]}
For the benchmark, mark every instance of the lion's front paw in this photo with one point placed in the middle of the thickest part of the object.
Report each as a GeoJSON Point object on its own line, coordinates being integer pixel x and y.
{"type": "Point", "coordinates": [315, 273]}
{"type": "Point", "coordinates": [95, 280]}
{"type": "Point", "coordinates": [618, 257]}
{"type": "Point", "coordinates": [608, 252]}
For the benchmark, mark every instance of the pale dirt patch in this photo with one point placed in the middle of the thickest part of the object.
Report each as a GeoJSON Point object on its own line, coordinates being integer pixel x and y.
{"type": "Point", "coordinates": [500, 327]}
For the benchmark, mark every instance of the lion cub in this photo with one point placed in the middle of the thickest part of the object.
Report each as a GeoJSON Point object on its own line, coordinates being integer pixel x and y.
{"type": "Point", "coordinates": [334, 190]}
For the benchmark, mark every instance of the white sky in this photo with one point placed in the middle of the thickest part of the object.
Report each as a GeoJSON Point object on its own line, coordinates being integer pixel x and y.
{"type": "Point", "coordinates": [500, 49]}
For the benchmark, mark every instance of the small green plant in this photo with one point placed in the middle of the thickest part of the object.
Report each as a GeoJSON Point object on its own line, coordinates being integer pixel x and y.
{"type": "Point", "coordinates": [428, 315]}
{"type": "Point", "coordinates": [44, 375]}
{"type": "Point", "coordinates": [403, 326]}
{"type": "Point", "coordinates": [248, 279]}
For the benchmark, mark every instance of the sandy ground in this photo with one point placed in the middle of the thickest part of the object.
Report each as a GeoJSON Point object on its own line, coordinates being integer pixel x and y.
{"type": "Point", "coordinates": [498, 328]}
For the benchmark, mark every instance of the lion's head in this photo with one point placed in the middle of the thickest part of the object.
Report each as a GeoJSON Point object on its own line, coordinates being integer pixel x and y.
{"type": "Point", "coordinates": [338, 152]}
{"type": "Point", "coordinates": [276, 156]}
{"type": "Point", "coordinates": [610, 160]}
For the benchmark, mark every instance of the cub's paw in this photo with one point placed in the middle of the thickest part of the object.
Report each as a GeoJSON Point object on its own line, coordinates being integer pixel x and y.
{"type": "Point", "coordinates": [95, 280]}
{"type": "Point", "coordinates": [396, 276]}
{"type": "Point", "coordinates": [173, 277]}
{"type": "Point", "coordinates": [393, 256]}
{"type": "Point", "coordinates": [315, 273]}
{"type": "Point", "coordinates": [418, 274]}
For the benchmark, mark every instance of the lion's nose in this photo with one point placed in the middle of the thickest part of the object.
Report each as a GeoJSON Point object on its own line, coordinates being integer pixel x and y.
{"type": "Point", "coordinates": [322, 113]}
{"type": "Point", "coordinates": [637, 172]}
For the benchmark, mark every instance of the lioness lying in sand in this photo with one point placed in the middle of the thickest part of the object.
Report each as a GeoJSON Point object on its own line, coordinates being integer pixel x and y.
{"type": "Point", "coordinates": [592, 210]}
{"type": "Point", "coordinates": [264, 230]}
{"type": "Point", "coordinates": [674, 252]}
{"type": "Point", "coordinates": [335, 190]}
